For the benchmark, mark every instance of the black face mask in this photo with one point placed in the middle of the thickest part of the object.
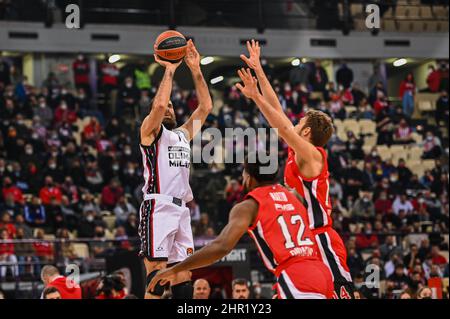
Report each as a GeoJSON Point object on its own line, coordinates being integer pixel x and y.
{"type": "Point", "coordinates": [100, 234]}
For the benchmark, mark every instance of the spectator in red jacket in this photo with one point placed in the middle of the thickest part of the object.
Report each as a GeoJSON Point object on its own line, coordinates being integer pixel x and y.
{"type": "Point", "coordinates": [64, 115]}
{"type": "Point", "coordinates": [92, 131]}
{"type": "Point", "coordinates": [7, 255]}
{"type": "Point", "coordinates": [111, 194]}
{"type": "Point", "coordinates": [10, 188]}
{"type": "Point", "coordinates": [366, 239]}
{"type": "Point", "coordinates": [44, 250]}
{"type": "Point", "coordinates": [406, 93]}
{"type": "Point", "coordinates": [68, 288]}
{"type": "Point", "coordinates": [383, 203]}
{"type": "Point", "coordinates": [436, 256]}
{"type": "Point", "coordinates": [50, 191]}
{"type": "Point", "coordinates": [6, 223]}
{"type": "Point", "coordinates": [234, 192]}
{"type": "Point", "coordinates": [433, 79]}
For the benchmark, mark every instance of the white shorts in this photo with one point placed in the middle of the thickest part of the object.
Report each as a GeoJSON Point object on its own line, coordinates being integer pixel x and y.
{"type": "Point", "coordinates": [165, 229]}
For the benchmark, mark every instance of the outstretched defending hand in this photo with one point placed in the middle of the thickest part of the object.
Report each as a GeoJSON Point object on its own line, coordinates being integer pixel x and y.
{"type": "Point", "coordinates": [192, 57]}
{"type": "Point", "coordinates": [254, 50]}
{"type": "Point", "coordinates": [250, 88]}
{"type": "Point", "coordinates": [163, 276]}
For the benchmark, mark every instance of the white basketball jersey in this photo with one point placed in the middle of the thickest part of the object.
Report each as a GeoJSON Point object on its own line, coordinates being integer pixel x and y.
{"type": "Point", "coordinates": [166, 165]}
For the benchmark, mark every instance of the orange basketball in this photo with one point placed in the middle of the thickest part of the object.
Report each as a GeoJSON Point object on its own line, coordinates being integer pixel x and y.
{"type": "Point", "coordinates": [171, 46]}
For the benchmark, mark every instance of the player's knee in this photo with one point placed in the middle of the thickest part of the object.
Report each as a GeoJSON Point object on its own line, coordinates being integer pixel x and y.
{"type": "Point", "coordinates": [158, 290]}
{"type": "Point", "coordinates": [182, 290]}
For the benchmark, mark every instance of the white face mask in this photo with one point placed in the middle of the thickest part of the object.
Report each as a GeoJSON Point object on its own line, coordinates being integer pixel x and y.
{"type": "Point", "coordinates": [90, 218]}
{"type": "Point", "coordinates": [42, 105]}
{"type": "Point", "coordinates": [258, 290]}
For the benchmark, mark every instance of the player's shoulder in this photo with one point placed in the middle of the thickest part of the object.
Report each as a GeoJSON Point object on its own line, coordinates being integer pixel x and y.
{"type": "Point", "coordinates": [248, 204]}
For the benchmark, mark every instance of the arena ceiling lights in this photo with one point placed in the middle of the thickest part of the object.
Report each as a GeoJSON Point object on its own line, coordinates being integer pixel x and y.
{"type": "Point", "coordinates": [399, 62]}
{"type": "Point", "coordinates": [295, 62]}
{"type": "Point", "coordinates": [114, 58]}
{"type": "Point", "coordinates": [216, 80]}
{"type": "Point", "coordinates": [207, 60]}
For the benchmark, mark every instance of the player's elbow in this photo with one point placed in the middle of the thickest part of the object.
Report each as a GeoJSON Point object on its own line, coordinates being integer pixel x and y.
{"type": "Point", "coordinates": [159, 105]}
{"type": "Point", "coordinates": [207, 106]}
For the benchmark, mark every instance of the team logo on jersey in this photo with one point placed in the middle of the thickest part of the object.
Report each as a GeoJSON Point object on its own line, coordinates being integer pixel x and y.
{"type": "Point", "coordinates": [179, 156]}
{"type": "Point", "coordinates": [189, 251]}
{"type": "Point", "coordinates": [284, 207]}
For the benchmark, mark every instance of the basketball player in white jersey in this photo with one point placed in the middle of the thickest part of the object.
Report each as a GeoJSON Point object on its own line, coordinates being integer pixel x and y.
{"type": "Point", "coordinates": [165, 223]}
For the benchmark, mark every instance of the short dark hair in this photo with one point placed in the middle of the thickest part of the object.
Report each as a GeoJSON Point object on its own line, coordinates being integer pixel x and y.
{"type": "Point", "coordinates": [254, 169]}
{"type": "Point", "coordinates": [241, 282]}
{"type": "Point", "coordinates": [48, 291]}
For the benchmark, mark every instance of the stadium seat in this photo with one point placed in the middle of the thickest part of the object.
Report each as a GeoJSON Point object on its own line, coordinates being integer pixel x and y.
{"type": "Point", "coordinates": [428, 164]}
{"type": "Point", "coordinates": [445, 283]}
{"type": "Point", "coordinates": [416, 167]}
{"type": "Point", "coordinates": [316, 96]}
{"type": "Point", "coordinates": [110, 221]}
{"type": "Point", "coordinates": [398, 151]}
{"type": "Point", "coordinates": [81, 250]}
{"type": "Point", "coordinates": [349, 109]}
{"type": "Point", "coordinates": [425, 12]}
{"type": "Point", "coordinates": [351, 125]}
{"type": "Point", "coordinates": [426, 106]}
{"type": "Point", "coordinates": [384, 152]}
{"type": "Point", "coordinates": [415, 153]}
{"type": "Point", "coordinates": [417, 137]}
{"type": "Point", "coordinates": [405, 26]}
{"type": "Point", "coordinates": [367, 126]}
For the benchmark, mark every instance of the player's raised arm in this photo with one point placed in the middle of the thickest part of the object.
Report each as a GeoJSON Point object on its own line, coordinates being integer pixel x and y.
{"type": "Point", "coordinates": [204, 107]}
{"type": "Point", "coordinates": [241, 217]}
{"type": "Point", "coordinates": [304, 151]}
{"type": "Point", "coordinates": [254, 62]}
{"type": "Point", "coordinates": [152, 123]}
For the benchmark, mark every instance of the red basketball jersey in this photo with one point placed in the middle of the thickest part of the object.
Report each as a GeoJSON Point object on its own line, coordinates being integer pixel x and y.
{"type": "Point", "coordinates": [314, 190]}
{"type": "Point", "coordinates": [280, 229]}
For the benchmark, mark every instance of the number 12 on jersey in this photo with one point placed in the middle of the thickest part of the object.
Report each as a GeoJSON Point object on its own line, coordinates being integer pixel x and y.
{"type": "Point", "coordinates": [289, 243]}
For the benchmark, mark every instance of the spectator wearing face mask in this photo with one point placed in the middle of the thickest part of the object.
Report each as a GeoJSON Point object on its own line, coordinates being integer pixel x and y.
{"type": "Point", "coordinates": [7, 255]}
{"type": "Point", "coordinates": [363, 209]}
{"type": "Point", "coordinates": [442, 109]}
{"type": "Point", "coordinates": [44, 112]}
{"type": "Point", "coordinates": [111, 194]}
{"type": "Point", "coordinates": [366, 239]}
{"type": "Point", "coordinates": [34, 212]}
{"type": "Point", "coordinates": [64, 115]}
{"type": "Point", "coordinates": [433, 79]}
{"type": "Point", "coordinates": [403, 133]}
{"type": "Point", "coordinates": [123, 209]}
{"type": "Point", "coordinates": [50, 192]}
{"type": "Point", "coordinates": [10, 189]}
{"type": "Point", "coordinates": [431, 146]}
{"type": "Point", "coordinates": [128, 97]}
{"type": "Point", "coordinates": [81, 72]}
{"type": "Point", "coordinates": [402, 203]}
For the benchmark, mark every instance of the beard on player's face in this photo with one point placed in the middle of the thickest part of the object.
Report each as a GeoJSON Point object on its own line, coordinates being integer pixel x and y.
{"type": "Point", "coordinates": [170, 122]}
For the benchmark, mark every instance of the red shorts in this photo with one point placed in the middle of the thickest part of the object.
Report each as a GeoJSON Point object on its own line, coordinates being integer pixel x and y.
{"type": "Point", "coordinates": [333, 253]}
{"type": "Point", "coordinates": [309, 279]}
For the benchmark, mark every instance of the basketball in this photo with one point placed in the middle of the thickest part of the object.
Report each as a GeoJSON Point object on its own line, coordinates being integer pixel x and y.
{"type": "Point", "coordinates": [171, 46]}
